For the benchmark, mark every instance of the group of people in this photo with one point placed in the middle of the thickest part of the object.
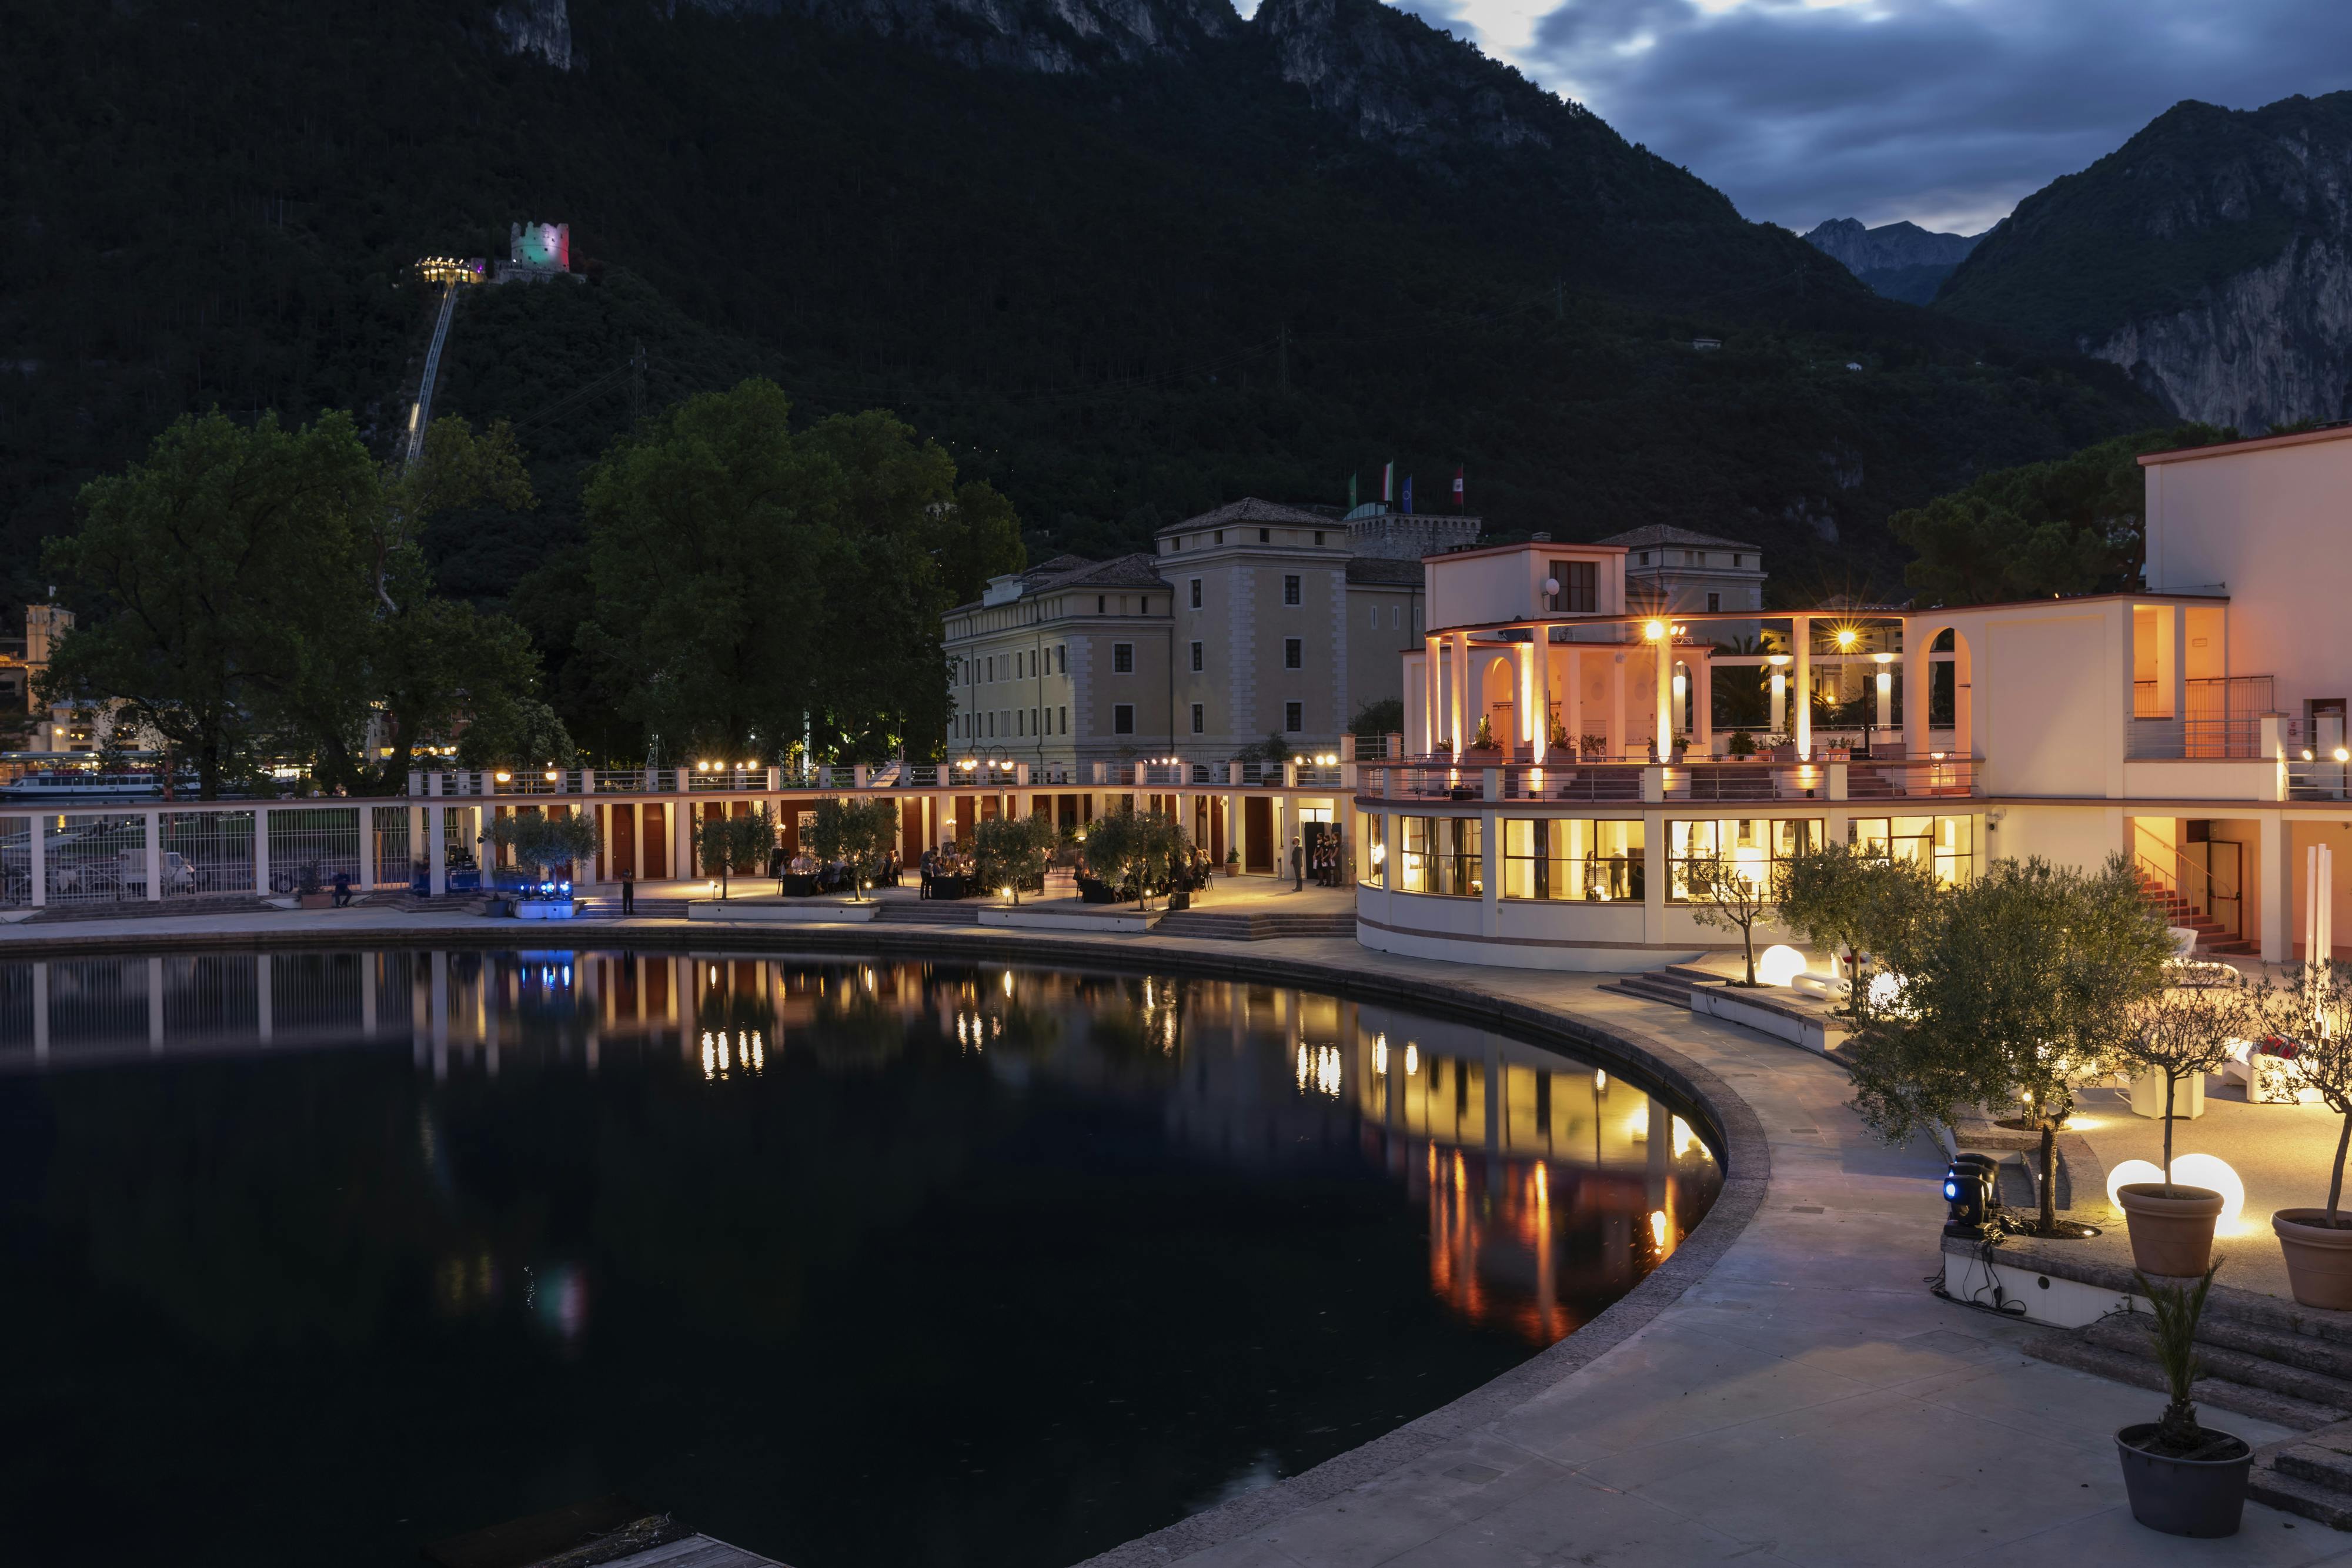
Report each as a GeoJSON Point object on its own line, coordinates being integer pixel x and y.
{"type": "Point", "coordinates": [1322, 861]}
{"type": "Point", "coordinates": [946, 872]}
{"type": "Point", "coordinates": [828, 876]}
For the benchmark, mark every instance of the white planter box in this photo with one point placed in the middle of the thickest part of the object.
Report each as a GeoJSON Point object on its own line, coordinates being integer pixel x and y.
{"type": "Point", "coordinates": [546, 908]}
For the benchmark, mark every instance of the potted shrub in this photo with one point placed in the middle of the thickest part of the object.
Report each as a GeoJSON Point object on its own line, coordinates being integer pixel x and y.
{"type": "Point", "coordinates": [1740, 744]}
{"type": "Point", "coordinates": [2181, 1034]}
{"type": "Point", "coordinates": [1482, 746]}
{"type": "Point", "coordinates": [2183, 1478]}
{"type": "Point", "coordinates": [308, 891]}
{"type": "Point", "coordinates": [2318, 1242]}
{"type": "Point", "coordinates": [1232, 861]}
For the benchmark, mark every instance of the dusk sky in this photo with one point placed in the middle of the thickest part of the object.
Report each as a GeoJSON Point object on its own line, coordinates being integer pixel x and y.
{"type": "Point", "coordinates": [1946, 112]}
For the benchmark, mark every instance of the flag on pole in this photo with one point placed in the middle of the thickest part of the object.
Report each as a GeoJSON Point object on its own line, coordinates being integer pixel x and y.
{"type": "Point", "coordinates": [1457, 490]}
{"type": "Point", "coordinates": [1387, 484]}
{"type": "Point", "coordinates": [1408, 495]}
{"type": "Point", "coordinates": [1351, 492]}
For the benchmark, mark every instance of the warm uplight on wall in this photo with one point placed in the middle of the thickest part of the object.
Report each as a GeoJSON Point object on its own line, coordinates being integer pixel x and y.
{"type": "Point", "coordinates": [1778, 661]}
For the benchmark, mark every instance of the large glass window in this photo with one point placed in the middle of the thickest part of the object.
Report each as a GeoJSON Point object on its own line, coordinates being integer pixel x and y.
{"type": "Point", "coordinates": [1944, 845]}
{"type": "Point", "coordinates": [1443, 855]}
{"type": "Point", "coordinates": [1600, 862]}
{"type": "Point", "coordinates": [1754, 844]}
{"type": "Point", "coordinates": [1371, 847]}
{"type": "Point", "coordinates": [1579, 586]}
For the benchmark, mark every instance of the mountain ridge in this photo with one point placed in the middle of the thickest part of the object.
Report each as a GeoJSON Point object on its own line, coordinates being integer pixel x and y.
{"type": "Point", "coordinates": [2210, 256]}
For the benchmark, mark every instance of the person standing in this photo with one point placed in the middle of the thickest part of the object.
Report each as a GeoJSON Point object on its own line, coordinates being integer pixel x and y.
{"type": "Point", "coordinates": [1297, 866]}
{"type": "Point", "coordinates": [628, 891]}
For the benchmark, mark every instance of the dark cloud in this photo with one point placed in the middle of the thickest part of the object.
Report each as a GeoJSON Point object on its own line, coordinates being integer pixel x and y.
{"type": "Point", "coordinates": [1944, 111]}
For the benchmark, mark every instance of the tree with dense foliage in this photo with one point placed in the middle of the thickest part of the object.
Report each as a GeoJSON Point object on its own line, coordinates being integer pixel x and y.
{"type": "Point", "coordinates": [856, 830]}
{"type": "Point", "coordinates": [736, 844]}
{"type": "Point", "coordinates": [1850, 903]}
{"type": "Point", "coordinates": [2070, 525]}
{"type": "Point", "coordinates": [755, 585]}
{"type": "Point", "coordinates": [2312, 1006]}
{"type": "Point", "coordinates": [1139, 848]}
{"type": "Point", "coordinates": [2014, 988]}
{"type": "Point", "coordinates": [213, 581]}
{"type": "Point", "coordinates": [546, 840]}
{"type": "Point", "coordinates": [1010, 853]}
{"type": "Point", "coordinates": [250, 586]}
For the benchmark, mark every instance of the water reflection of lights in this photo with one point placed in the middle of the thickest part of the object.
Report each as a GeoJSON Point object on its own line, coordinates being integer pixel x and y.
{"type": "Point", "coordinates": [975, 1030]}
{"type": "Point", "coordinates": [1658, 1229]}
{"type": "Point", "coordinates": [1412, 1059]}
{"type": "Point", "coordinates": [1318, 1068]}
{"type": "Point", "coordinates": [559, 1300]}
{"type": "Point", "coordinates": [721, 1055]}
{"type": "Point", "coordinates": [1008, 988]}
{"type": "Point", "coordinates": [1380, 1055]}
{"type": "Point", "coordinates": [1600, 1081]}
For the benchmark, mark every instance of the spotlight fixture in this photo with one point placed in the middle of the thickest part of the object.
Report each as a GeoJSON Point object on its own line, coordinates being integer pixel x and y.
{"type": "Point", "coordinates": [1968, 1189]}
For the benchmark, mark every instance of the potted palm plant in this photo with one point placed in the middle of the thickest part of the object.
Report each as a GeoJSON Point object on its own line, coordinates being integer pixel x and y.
{"type": "Point", "coordinates": [2182, 1477]}
{"type": "Point", "coordinates": [2314, 1008]}
{"type": "Point", "coordinates": [2181, 1034]}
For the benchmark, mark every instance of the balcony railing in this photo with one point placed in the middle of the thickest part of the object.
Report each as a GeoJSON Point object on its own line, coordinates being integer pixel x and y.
{"type": "Point", "coordinates": [2177, 739]}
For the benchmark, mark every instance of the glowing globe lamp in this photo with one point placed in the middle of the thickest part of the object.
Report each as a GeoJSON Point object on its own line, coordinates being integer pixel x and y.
{"type": "Point", "coordinates": [1780, 964]}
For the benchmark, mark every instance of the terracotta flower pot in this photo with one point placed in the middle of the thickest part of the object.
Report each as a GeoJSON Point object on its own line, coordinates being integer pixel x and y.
{"type": "Point", "coordinates": [2170, 1235]}
{"type": "Point", "coordinates": [2318, 1257]}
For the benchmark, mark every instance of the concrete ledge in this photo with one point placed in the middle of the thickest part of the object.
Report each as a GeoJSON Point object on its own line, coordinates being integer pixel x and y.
{"type": "Point", "coordinates": [2087, 1271]}
{"type": "Point", "coordinates": [755, 912]}
{"type": "Point", "coordinates": [1720, 999]}
{"type": "Point", "coordinates": [1103, 919]}
{"type": "Point", "coordinates": [1519, 952]}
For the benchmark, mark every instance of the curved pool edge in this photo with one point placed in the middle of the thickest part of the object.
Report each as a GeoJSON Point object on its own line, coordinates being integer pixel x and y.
{"type": "Point", "coordinates": [1739, 1137]}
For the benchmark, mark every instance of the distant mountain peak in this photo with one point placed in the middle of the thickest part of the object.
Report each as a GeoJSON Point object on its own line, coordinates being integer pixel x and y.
{"type": "Point", "coordinates": [1902, 244]}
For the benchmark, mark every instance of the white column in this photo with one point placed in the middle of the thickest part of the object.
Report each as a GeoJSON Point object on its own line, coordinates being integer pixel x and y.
{"type": "Point", "coordinates": [155, 1007]}
{"type": "Point", "coordinates": [1541, 720]}
{"type": "Point", "coordinates": [1662, 664]}
{"type": "Point", "coordinates": [37, 847]}
{"type": "Point", "coordinates": [1458, 680]}
{"type": "Point", "coordinates": [1779, 681]}
{"type": "Point", "coordinates": [154, 857]}
{"type": "Point", "coordinates": [264, 1002]}
{"type": "Point", "coordinates": [1916, 667]}
{"type": "Point", "coordinates": [1617, 706]}
{"type": "Point", "coordinates": [2274, 871]}
{"type": "Point", "coordinates": [1801, 636]}
{"type": "Point", "coordinates": [1490, 870]}
{"type": "Point", "coordinates": [1883, 678]}
{"type": "Point", "coordinates": [1702, 679]}
{"type": "Point", "coordinates": [261, 851]}
{"type": "Point", "coordinates": [40, 1010]}
{"type": "Point", "coordinates": [1571, 712]}
{"type": "Point", "coordinates": [437, 849]}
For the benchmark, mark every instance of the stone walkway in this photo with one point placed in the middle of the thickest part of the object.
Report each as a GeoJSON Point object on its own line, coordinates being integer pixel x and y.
{"type": "Point", "coordinates": [1805, 1401]}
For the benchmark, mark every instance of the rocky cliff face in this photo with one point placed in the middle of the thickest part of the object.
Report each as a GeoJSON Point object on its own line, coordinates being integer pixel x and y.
{"type": "Point", "coordinates": [540, 27]}
{"type": "Point", "coordinates": [1397, 81]}
{"type": "Point", "coordinates": [2269, 346]}
{"type": "Point", "coordinates": [2211, 257]}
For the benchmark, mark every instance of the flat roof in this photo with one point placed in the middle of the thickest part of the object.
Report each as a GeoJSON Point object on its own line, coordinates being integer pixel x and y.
{"type": "Point", "coordinates": [1522, 545]}
{"type": "Point", "coordinates": [2339, 430]}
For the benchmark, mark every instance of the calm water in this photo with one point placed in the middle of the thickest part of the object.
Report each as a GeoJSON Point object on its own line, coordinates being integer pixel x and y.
{"type": "Point", "coordinates": [319, 1258]}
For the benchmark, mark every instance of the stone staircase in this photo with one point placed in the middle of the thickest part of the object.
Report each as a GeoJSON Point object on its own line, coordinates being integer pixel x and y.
{"type": "Point", "coordinates": [1253, 925]}
{"type": "Point", "coordinates": [927, 912]}
{"type": "Point", "coordinates": [2287, 1364]}
{"type": "Point", "coordinates": [1671, 985]}
{"type": "Point", "coordinates": [2212, 935]}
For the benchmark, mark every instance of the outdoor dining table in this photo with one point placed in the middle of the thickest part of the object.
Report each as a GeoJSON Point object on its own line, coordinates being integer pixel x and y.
{"type": "Point", "coordinates": [797, 884]}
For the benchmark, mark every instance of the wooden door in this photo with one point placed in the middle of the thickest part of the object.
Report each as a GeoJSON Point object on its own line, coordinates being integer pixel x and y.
{"type": "Point", "coordinates": [1257, 834]}
{"type": "Point", "coordinates": [654, 864]}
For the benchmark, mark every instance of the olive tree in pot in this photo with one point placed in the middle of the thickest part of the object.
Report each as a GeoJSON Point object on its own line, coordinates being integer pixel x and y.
{"type": "Point", "coordinates": [2314, 1008]}
{"type": "Point", "coordinates": [2183, 1478]}
{"type": "Point", "coordinates": [2181, 1034]}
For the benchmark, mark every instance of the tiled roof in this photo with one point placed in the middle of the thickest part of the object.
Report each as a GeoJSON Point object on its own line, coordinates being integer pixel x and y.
{"type": "Point", "coordinates": [1137, 570]}
{"type": "Point", "coordinates": [1249, 510]}
{"type": "Point", "coordinates": [1379, 570]}
{"type": "Point", "coordinates": [1665, 533]}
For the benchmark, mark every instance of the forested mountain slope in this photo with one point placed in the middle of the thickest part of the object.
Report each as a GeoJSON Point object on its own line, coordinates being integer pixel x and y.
{"type": "Point", "coordinates": [1126, 258]}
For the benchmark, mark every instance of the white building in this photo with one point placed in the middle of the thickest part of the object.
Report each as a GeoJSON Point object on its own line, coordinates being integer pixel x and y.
{"type": "Point", "coordinates": [2196, 725]}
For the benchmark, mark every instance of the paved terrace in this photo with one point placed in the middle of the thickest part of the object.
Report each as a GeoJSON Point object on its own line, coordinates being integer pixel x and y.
{"type": "Point", "coordinates": [1783, 1390]}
